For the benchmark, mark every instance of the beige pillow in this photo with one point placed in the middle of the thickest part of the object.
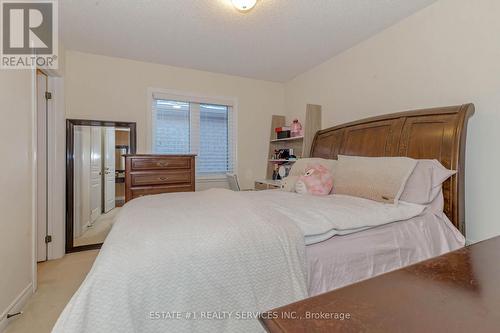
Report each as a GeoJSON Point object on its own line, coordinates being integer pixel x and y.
{"type": "Point", "coordinates": [380, 179]}
{"type": "Point", "coordinates": [299, 168]}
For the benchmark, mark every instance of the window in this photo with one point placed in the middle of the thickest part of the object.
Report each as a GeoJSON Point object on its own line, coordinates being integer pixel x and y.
{"type": "Point", "coordinates": [172, 127]}
{"type": "Point", "coordinates": [214, 139]}
{"type": "Point", "coordinates": [205, 129]}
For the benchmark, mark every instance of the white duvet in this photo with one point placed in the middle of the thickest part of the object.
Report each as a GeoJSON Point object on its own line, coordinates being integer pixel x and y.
{"type": "Point", "coordinates": [210, 261]}
{"type": "Point", "coordinates": [320, 218]}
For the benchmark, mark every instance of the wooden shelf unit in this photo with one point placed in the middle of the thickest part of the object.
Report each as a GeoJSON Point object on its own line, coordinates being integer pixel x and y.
{"type": "Point", "coordinates": [289, 139]}
{"type": "Point", "coordinates": [301, 145]}
{"type": "Point", "coordinates": [282, 161]}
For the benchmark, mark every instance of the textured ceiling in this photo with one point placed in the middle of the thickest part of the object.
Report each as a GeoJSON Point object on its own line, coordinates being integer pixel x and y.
{"type": "Point", "coordinates": [276, 41]}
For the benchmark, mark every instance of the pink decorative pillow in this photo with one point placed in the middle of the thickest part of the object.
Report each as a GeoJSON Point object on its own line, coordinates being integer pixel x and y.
{"type": "Point", "coordinates": [317, 180]}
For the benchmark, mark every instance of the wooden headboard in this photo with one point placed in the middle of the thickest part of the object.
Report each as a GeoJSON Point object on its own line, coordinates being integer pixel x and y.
{"type": "Point", "coordinates": [438, 133]}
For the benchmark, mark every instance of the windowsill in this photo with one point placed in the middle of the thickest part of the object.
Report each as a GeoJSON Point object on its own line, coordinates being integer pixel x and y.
{"type": "Point", "coordinates": [211, 178]}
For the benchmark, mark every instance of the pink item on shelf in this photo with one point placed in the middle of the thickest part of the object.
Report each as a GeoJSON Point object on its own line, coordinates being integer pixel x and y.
{"type": "Point", "coordinates": [317, 180]}
{"type": "Point", "coordinates": [296, 128]}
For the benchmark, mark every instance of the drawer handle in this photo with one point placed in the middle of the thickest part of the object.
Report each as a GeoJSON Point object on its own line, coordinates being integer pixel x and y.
{"type": "Point", "coordinates": [162, 164]}
{"type": "Point", "coordinates": [163, 178]}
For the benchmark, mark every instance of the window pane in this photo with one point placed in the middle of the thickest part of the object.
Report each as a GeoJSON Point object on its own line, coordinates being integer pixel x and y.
{"type": "Point", "coordinates": [171, 127]}
{"type": "Point", "coordinates": [213, 155]}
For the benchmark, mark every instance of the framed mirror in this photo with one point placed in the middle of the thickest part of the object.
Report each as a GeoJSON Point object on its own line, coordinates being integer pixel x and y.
{"type": "Point", "coordinates": [95, 178]}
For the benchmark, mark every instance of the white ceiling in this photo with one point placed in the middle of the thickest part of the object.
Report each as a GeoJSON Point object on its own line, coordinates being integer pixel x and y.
{"type": "Point", "coordinates": [276, 41]}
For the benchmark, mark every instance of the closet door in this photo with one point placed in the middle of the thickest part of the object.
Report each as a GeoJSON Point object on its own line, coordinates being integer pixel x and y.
{"type": "Point", "coordinates": [41, 161]}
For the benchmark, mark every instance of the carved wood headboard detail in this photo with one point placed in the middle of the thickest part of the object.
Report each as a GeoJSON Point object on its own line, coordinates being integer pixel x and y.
{"type": "Point", "coordinates": [438, 133]}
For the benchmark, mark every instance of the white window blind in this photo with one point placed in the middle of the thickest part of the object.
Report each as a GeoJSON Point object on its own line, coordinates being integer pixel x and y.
{"type": "Point", "coordinates": [172, 128]}
{"type": "Point", "coordinates": [192, 127]}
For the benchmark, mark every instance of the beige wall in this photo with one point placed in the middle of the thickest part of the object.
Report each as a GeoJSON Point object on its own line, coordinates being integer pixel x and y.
{"type": "Point", "coordinates": [448, 53]}
{"type": "Point", "coordinates": [16, 257]}
{"type": "Point", "coordinates": [98, 87]}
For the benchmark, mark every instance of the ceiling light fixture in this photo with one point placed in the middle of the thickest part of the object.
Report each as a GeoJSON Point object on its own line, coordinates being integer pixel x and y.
{"type": "Point", "coordinates": [244, 5]}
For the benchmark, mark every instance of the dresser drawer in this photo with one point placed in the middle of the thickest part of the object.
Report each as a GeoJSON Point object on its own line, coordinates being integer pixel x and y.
{"type": "Point", "coordinates": [140, 192]}
{"type": "Point", "coordinates": [155, 174]}
{"type": "Point", "coordinates": [158, 163]}
{"type": "Point", "coordinates": [161, 177]}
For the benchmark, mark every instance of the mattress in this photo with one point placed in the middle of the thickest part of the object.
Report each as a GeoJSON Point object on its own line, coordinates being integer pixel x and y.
{"type": "Point", "coordinates": [343, 260]}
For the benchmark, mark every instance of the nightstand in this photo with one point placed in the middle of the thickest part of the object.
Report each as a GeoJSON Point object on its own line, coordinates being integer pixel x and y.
{"type": "Point", "coordinates": [267, 184]}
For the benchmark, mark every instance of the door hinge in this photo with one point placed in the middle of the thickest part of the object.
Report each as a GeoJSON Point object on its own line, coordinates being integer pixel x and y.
{"type": "Point", "coordinates": [48, 239]}
{"type": "Point", "coordinates": [48, 95]}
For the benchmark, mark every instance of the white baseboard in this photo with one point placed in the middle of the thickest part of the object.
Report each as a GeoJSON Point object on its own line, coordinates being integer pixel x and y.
{"type": "Point", "coordinates": [469, 242]}
{"type": "Point", "coordinates": [16, 306]}
{"type": "Point", "coordinates": [86, 226]}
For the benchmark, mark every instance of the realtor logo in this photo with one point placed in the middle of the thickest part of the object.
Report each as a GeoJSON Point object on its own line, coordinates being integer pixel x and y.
{"type": "Point", "coordinates": [29, 34]}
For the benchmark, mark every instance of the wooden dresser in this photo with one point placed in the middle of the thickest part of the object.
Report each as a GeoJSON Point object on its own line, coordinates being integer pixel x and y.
{"type": "Point", "coordinates": [155, 174]}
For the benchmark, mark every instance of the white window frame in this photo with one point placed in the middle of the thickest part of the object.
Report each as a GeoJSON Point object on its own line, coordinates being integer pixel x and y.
{"type": "Point", "coordinates": [177, 95]}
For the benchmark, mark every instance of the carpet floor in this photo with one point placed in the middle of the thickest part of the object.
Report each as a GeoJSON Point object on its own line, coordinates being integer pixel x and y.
{"type": "Point", "coordinates": [58, 280]}
{"type": "Point", "coordinates": [98, 232]}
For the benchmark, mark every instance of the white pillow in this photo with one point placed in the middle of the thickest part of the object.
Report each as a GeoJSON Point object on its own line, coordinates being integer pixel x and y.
{"type": "Point", "coordinates": [380, 179]}
{"type": "Point", "coordinates": [425, 183]}
{"type": "Point", "coordinates": [289, 183]}
{"type": "Point", "coordinates": [299, 168]}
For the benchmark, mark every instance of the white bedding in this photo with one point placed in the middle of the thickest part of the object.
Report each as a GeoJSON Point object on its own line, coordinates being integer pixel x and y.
{"type": "Point", "coordinates": [171, 257]}
{"type": "Point", "coordinates": [321, 217]}
{"type": "Point", "coordinates": [342, 260]}
{"type": "Point", "coordinates": [212, 252]}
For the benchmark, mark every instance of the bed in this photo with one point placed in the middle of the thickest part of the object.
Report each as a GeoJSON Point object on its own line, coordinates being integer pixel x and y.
{"type": "Point", "coordinates": [214, 260]}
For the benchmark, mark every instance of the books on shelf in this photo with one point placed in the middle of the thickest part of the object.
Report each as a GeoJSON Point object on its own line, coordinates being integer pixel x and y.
{"type": "Point", "coordinates": [282, 128]}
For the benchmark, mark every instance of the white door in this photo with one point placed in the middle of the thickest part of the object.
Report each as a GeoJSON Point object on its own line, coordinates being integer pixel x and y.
{"type": "Point", "coordinates": [41, 161]}
{"type": "Point", "coordinates": [109, 169]}
{"type": "Point", "coordinates": [82, 152]}
{"type": "Point", "coordinates": [77, 183]}
{"type": "Point", "coordinates": [95, 173]}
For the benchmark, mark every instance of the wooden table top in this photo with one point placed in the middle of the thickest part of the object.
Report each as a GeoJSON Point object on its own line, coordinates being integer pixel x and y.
{"type": "Point", "coordinates": [456, 292]}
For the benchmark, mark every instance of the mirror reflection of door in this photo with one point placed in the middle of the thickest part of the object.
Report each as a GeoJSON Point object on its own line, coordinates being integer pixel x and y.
{"type": "Point", "coordinates": [95, 173]}
{"type": "Point", "coordinates": [98, 180]}
{"type": "Point", "coordinates": [109, 169]}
